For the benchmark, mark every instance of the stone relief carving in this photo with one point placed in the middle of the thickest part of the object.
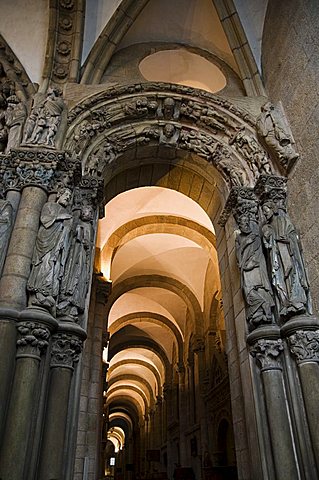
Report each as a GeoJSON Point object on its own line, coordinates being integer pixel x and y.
{"type": "Point", "coordinates": [267, 353]}
{"type": "Point", "coordinates": [6, 219]}
{"type": "Point", "coordinates": [33, 338]}
{"type": "Point", "coordinates": [66, 350]}
{"type": "Point", "coordinates": [288, 273]}
{"type": "Point", "coordinates": [247, 146]}
{"type": "Point", "coordinates": [51, 170]}
{"type": "Point", "coordinates": [45, 119]}
{"type": "Point", "coordinates": [305, 345]}
{"type": "Point", "coordinates": [274, 133]}
{"type": "Point", "coordinates": [50, 253]}
{"type": "Point", "coordinates": [255, 284]}
{"type": "Point", "coordinates": [75, 281]}
{"type": "Point", "coordinates": [14, 117]}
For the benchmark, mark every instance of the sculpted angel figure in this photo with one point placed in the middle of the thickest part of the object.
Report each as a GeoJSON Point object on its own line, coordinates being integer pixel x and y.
{"type": "Point", "coordinates": [50, 252]}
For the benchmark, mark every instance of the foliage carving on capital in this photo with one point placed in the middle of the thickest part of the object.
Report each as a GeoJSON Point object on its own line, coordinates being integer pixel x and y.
{"type": "Point", "coordinates": [267, 353]}
{"type": "Point", "coordinates": [66, 350]}
{"type": "Point", "coordinates": [33, 338]}
{"type": "Point", "coordinates": [304, 345]}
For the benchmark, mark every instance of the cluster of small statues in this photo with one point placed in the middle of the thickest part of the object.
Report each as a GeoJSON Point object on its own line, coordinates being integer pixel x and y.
{"type": "Point", "coordinates": [61, 260]}
{"type": "Point", "coordinates": [273, 275]}
{"type": "Point", "coordinates": [16, 127]}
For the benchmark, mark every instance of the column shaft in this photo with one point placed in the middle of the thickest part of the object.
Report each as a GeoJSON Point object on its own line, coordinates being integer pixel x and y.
{"type": "Point", "coordinates": [13, 454]}
{"type": "Point", "coordinates": [56, 417]}
{"type": "Point", "coordinates": [283, 452]}
{"type": "Point", "coordinates": [309, 377]}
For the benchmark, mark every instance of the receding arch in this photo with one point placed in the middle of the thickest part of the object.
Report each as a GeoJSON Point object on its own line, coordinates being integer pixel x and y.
{"type": "Point", "coordinates": [164, 282]}
{"type": "Point", "coordinates": [159, 380]}
{"type": "Point", "coordinates": [157, 319]}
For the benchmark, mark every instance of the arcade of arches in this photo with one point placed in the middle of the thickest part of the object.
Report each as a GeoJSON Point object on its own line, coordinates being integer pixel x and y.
{"type": "Point", "coordinates": [158, 314]}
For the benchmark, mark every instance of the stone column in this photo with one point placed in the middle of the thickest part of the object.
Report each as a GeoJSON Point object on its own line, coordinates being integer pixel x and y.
{"type": "Point", "coordinates": [33, 336]}
{"type": "Point", "coordinates": [182, 415]}
{"type": "Point", "coordinates": [267, 350]}
{"type": "Point", "coordinates": [303, 339]}
{"type": "Point", "coordinates": [65, 351]}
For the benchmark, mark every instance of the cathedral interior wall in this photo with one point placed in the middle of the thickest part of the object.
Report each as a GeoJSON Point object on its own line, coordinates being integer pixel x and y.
{"type": "Point", "coordinates": [290, 69]}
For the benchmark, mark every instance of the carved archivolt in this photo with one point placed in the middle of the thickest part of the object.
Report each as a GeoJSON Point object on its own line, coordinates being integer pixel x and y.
{"type": "Point", "coordinates": [103, 127]}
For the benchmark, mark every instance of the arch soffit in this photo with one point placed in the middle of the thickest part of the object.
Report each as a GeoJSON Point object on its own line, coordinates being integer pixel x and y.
{"type": "Point", "coordinates": [125, 408]}
{"type": "Point", "coordinates": [107, 128]}
{"type": "Point", "coordinates": [154, 318]}
{"type": "Point", "coordinates": [123, 416]}
{"type": "Point", "coordinates": [165, 282]}
{"type": "Point", "coordinates": [134, 361]}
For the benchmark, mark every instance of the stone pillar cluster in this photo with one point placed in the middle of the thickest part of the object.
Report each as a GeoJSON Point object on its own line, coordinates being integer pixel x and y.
{"type": "Point", "coordinates": [282, 332]}
{"type": "Point", "coordinates": [49, 213]}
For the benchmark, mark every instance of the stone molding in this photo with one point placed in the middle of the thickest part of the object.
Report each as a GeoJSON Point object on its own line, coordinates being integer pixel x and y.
{"type": "Point", "coordinates": [32, 339]}
{"type": "Point", "coordinates": [304, 345]}
{"type": "Point", "coordinates": [66, 350]}
{"type": "Point", "coordinates": [267, 353]}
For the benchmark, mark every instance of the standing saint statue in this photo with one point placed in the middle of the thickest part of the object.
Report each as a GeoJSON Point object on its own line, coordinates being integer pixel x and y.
{"type": "Point", "coordinates": [75, 282]}
{"type": "Point", "coordinates": [50, 252]}
{"type": "Point", "coordinates": [6, 212]}
{"type": "Point", "coordinates": [255, 282]}
{"type": "Point", "coordinates": [288, 274]}
{"type": "Point", "coordinates": [15, 117]}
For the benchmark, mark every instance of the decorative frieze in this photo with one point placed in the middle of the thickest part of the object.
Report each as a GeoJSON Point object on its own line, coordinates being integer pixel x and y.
{"type": "Point", "coordinates": [65, 351]}
{"type": "Point", "coordinates": [267, 353]}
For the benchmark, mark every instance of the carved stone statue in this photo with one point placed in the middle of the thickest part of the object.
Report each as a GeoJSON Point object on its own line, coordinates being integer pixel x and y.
{"type": "Point", "coordinates": [15, 117]}
{"type": "Point", "coordinates": [50, 252]}
{"type": "Point", "coordinates": [273, 133]}
{"type": "Point", "coordinates": [255, 282]}
{"type": "Point", "coordinates": [256, 158]}
{"type": "Point", "coordinates": [6, 212]}
{"type": "Point", "coordinates": [75, 281]}
{"type": "Point", "coordinates": [45, 118]}
{"type": "Point", "coordinates": [288, 274]}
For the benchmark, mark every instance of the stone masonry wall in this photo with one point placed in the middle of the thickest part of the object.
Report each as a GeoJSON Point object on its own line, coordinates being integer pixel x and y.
{"type": "Point", "coordinates": [290, 60]}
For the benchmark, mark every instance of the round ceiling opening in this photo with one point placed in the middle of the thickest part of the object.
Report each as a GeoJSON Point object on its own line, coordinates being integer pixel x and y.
{"type": "Point", "coordinates": [184, 68]}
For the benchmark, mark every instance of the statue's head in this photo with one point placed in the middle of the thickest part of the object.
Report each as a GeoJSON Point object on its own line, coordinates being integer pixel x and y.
{"type": "Point", "coordinates": [87, 213]}
{"type": "Point", "coordinates": [169, 130]}
{"type": "Point", "coordinates": [64, 197]}
{"type": "Point", "coordinates": [168, 107]}
{"type": "Point", "coordinates": [268, 209]}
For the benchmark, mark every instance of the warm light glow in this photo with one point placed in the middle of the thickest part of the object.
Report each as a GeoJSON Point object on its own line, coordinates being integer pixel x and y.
{"type": "Point", "coordinates": [182, 67]}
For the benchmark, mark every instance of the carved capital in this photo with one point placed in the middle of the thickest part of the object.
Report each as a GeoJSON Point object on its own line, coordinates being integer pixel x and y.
{"type": "Point", "coordinates": [65, 351]}
{"type": "Point", "coordinates": [304, 345]}
{"type": "Point", "coordinates": [198, 344]}
{"type": "Point", "coordinates": [241, 201]}
{"type": "Point", "coordinates": [272, 188]}
{"type": "Point", "coordinates": [50, 170]}
{"type": "Point", "coordinates": [89, 191]}
{"type": "Point", "coordinates": [33, 339]}
{"type": "Point", "coordinates": [267, 353]}
{"type": "Point", "coordinates": [103, 288]}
